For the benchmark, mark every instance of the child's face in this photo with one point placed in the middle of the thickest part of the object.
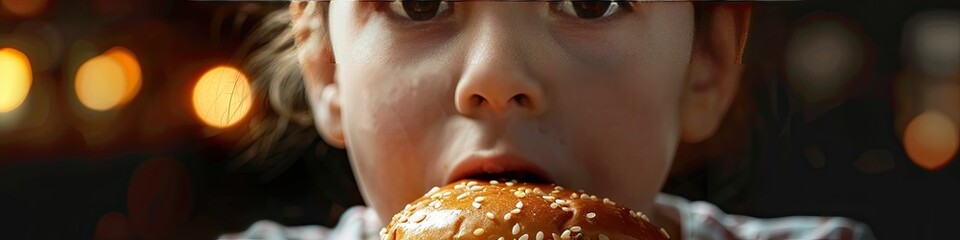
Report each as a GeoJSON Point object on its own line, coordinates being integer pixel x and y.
{"type": "Point", "coordinates": [506, 89]}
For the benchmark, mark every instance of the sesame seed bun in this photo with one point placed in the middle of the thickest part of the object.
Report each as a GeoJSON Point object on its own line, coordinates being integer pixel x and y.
{"type": "Point", "coordinates": [471, 209]}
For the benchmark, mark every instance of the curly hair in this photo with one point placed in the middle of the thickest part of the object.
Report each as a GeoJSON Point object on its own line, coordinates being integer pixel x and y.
{"type": "Point", "coordinates": [283, 131]}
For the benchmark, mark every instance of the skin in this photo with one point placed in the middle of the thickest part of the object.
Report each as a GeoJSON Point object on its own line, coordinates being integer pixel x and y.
{"type": "Point", "coordinates": [595, 105]}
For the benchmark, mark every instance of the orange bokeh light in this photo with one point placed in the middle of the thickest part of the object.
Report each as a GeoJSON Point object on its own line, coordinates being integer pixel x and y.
{"type": "Point", "coordinates": [101, 83]}
{"type": "Point", "coordinates": [131, 68]}
{"type": "Point", "coordinates": [24, 8]}
{"type": "Point", "coordinates": [931, 140]}
{"type": "Point", "coordinates": [222, 97]}
{"type": "Point", "coordinates": [16, 77]}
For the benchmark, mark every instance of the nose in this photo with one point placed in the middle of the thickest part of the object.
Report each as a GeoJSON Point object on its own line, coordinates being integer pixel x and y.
{"type": "Point", "coordinates": [497, 81]}
{"type": "Point", "coordinates": [492, 90]}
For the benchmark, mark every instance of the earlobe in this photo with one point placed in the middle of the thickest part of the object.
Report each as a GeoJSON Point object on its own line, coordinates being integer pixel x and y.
{"type": "Point", "coordinates": [714, 72]}
{"type": "Point", "coordinates": [323, 94]}
{"type": "Point", "coordinates": [327, 116]}
{"type": "Point", "coordinates": [318, 68]}
{"type": "Point", "coordinates": [706, 99]}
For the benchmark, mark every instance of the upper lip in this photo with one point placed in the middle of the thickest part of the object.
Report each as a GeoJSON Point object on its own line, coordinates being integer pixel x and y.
{"type": "Point", "coordinates": [492, 164]}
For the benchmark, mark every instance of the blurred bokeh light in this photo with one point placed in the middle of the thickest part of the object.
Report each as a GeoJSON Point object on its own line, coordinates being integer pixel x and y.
{"type": "Point", "coordinates": [933, 39]}
{"type": "Point", "coordinates": [822, 57]}
{"type": "Point", "coordinates": [15, 79]}
{"type": "Point", "coordinates": [931, 140]}
{"type": "Point", "coordinates": [101, 83]}
{"type": "Point", "coordinates": [131, 68]}
{"type": "Point", "coordinates": [24, 8]}
{"type": "Point", "coordinates": [222, 97]}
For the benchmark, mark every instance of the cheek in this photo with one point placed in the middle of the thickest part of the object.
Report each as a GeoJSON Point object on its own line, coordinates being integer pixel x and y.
{"type": "Point", "coordinates": [625, 137]}
{"type": "Point", "coordinates": [626, 122]}
{"type": "Point", "coordinates": [389, 119]}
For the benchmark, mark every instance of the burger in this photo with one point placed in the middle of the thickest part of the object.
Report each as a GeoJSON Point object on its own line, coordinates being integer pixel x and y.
{"type": "Point", "coordinates": [479, 209]}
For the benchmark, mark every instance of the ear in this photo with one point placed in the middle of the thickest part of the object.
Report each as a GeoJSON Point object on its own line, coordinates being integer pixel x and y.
{"type": "Point", "coordinates": [715, 68]}
{"type": "Point", "coordinates": [317, 65]}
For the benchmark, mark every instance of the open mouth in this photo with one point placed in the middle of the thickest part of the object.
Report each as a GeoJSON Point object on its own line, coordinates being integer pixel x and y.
{"type": "Point", "coordinates": [500, 168]}
{"type": "Point", "coordinates": [520, 176]}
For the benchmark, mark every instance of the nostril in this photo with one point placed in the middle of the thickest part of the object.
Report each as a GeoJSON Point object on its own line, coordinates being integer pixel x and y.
{"type": "Point", "coordinates": [521, 99]}
{"type": "Point", "coordinates": [477, 100]}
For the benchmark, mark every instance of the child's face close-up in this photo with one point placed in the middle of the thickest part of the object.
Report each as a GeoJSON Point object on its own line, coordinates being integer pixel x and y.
{"type": "Point", "coordinates": [479, 119]}
{"type": "Point", "coordinates": [590, 96]}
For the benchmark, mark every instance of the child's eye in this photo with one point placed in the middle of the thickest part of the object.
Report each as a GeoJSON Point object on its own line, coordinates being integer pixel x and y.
{"type": "Point", "coordinates": [419, 10]}
{"type": "Point", "coordinates": [589, 9]}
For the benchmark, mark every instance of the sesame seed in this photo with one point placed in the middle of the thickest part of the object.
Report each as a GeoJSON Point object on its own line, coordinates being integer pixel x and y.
{"type": "Point", "coordinates": [591, 215]}
{"type": "Point", "coordinates": [507, 216]}
{"type": "Point", "coordinates": [515, 211]}
{"type": "Point", "coordinates": [554, 205]}
{"type": "Point", "coordinates": [548, 197]}
{"type": "Point", "coordinates": [524, 237]}
{"type": "Point", "coordinates": [501, 238]}
{"type": "Point", "coordinates": [516, 229]}
{"type": "Point", "coordinates": [494, 182]}
{"type": "Point", "coordinates": [573, 195]}
{"type": "Point", "coordinates": [565, 235]}
{"type": "Point", "coordinates": [462, 196]}
{"type": "Point", "coordinates": [575, 229]}
{"type": "Point", "coordinates": [539, 192]}
{"type": "Point", "coordinates": [476, 205]}
{"type": "Point", "coordinates": [510, 184]}
{"type": "Point", "coordinates": [447, 194]}
{"type": "Point", "coordinates": [603, 237]}
{"type": "Point", "coordinates": [607, 201]}
{"type": "Point", "coordinates": [403, 219]}
{"type": "Point", "coordinates": [519, 194]}
{"type": "Point", "coordinates": [519, 204]}
{"type": "Point", "coordinates": [539, 235]}
{"type": "Point", "coordinates": [383, 231]}
{"type": "Point", "coordinates": [566, 209]}
{"type": "Point", "coordinates": [584, 196]}
{"type": "Point", "coordinates": [479, 199]}
{"type": "Point", "coordinates": [458, 186]}
{"type": "Point", "coordinates": [478, 232]}
{"type": "Point", "coordinates": [417, 218]}
{"type": "Point", "coordinates": [432, 191]}
{"type": "Point", "coordinates": [490, 215]}
{"type": "Point", "coordinates": [471, 183]}
{"type": "Point", "coordinates": [644, 217]}
{"type": "Point", "coordinates": [557, 187]}
{"type": "Point", "coordinates": [475, 188]}
{"type": "Point", "coordinates": [665, 234]}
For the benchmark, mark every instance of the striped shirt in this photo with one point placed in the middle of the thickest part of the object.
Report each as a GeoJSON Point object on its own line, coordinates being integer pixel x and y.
{"type": "Point", "coordinates": [698, 220]}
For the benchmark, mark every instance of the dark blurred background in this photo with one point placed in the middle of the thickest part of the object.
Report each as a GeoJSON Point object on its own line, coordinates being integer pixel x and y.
{"type": "Point", "coordinates": [124, 119]}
